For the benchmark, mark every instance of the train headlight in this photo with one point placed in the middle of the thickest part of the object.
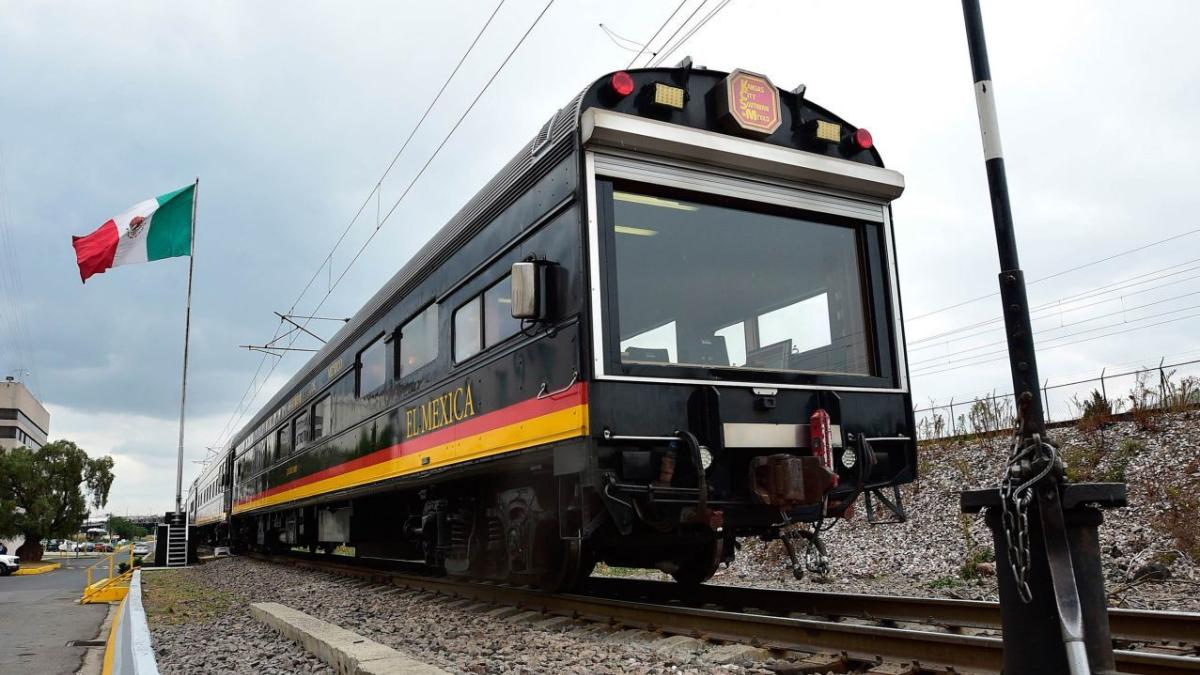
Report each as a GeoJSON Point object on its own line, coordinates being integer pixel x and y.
{"type": "Point", "coordinates": [705, 457]}
{"type": "Point", "coordinates": [849, 458]}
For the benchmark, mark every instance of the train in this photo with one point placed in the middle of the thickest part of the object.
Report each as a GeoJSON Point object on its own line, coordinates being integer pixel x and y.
{"type": "Point", "coordinates": [671, 321]}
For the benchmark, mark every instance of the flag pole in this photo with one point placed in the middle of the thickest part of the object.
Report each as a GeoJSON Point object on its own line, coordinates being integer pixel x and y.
{"type": "Point", "coordinates": [187, 330]}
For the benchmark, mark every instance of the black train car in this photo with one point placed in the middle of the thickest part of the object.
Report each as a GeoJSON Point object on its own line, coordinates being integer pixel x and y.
{"type": "Point", "coordinates": [671, 320]}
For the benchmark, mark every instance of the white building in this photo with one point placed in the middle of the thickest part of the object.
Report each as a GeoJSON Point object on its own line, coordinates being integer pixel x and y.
{"type": "Point", "coordinates": [23, 419]}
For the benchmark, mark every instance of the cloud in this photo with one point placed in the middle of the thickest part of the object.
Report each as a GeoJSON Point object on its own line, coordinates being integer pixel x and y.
{"type": "Point", "coordinates": [289, 114]}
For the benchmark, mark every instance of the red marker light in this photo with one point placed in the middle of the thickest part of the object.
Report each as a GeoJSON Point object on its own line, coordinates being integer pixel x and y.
{"type": "Point", "coordinates": [621, 83]}
{"type": "Point", "coordinates": [862, 139]}
{"type": "Point", "coordinates": [821, 440]}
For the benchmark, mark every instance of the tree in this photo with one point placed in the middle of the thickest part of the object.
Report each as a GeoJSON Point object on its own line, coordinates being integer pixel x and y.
{"type": "Point", "coordinates": [42, 492]}
{"type": "Point", "coordinates": [125, 528]}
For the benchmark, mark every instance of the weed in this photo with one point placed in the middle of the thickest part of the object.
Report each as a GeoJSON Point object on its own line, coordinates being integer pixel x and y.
{"type": "Point", "coordinates": [971, 567]}
{"type": "Point", "coordinates": [948, 581]}
{"type": "Point", "coordinates": [1177, 515]}
{"type": "Point", "coordinates": [1143, 404]}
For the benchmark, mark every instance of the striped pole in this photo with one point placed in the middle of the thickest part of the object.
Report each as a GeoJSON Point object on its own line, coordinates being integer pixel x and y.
{"type": "Point", "coordinates": [1012, 280]}
{"type": "Point", "coordinates": [1064, 590]}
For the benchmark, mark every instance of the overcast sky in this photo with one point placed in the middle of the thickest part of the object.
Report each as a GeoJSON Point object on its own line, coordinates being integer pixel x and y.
{"type": "Point", "coordinates": [289, 112]}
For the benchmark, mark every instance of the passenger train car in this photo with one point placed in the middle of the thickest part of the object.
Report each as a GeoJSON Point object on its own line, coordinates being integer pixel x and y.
{"type": "Point", "coordinates": [672, 320]}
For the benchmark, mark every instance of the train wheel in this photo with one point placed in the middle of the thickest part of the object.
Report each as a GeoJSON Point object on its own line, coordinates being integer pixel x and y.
{"type": "Point", "coordinates": [567, 565]}
{"type": "Point", "coordinates": [701, 565]}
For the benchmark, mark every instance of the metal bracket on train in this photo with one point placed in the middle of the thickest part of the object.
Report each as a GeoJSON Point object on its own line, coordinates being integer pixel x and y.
{"type": "Point", "coordinates": [702, 513]}
{"type": "Point", "coordinates": [865, 460]}
{"type": "Point", "coordinates": [894, 505]}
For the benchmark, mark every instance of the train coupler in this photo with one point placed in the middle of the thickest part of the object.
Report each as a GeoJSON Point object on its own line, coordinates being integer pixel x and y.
{"type": "Point", "coordinates": [785, 481]}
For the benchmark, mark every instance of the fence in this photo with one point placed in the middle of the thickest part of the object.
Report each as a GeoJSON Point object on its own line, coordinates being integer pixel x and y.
{"type": "Point", "coordinates": [1161, 387]}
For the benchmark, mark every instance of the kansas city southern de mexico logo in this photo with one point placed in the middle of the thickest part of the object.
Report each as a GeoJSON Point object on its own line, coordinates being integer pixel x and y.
{"type": "Point", "coordinates": [750, 103]}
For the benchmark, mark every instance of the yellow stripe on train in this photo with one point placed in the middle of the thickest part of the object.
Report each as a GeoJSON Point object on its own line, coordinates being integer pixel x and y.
{"type": "Point", "coordinates": [555, 426]}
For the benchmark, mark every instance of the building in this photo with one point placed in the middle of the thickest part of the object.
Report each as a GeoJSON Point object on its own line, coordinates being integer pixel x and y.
{"type": "Point", "coordinates": [23, 419]}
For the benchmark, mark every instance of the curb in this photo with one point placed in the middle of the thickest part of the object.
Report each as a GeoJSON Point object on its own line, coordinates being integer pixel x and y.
{"type": "Point", "coordinates": [42, 569]}
{"type": "Point", "coordinates": [344, 651]}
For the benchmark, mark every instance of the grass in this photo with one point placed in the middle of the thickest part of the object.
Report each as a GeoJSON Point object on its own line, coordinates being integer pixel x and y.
{"type": "Point", "coordinates": [176, 597]}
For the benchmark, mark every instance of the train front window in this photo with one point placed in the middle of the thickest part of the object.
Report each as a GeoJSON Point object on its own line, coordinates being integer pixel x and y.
{"type": "Point", "coordinates": [720, 287]}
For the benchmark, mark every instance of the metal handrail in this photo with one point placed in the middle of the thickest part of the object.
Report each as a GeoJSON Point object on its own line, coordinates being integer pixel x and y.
{"type": "Point", "coordinates": [110, 558]}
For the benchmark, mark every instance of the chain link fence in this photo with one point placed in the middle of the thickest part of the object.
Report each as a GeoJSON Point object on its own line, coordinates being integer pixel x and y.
{"type": "Point", "coordinates": [1165, 387]}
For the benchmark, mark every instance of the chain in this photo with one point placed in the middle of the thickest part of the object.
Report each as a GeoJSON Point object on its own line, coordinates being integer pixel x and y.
{"type": "Point", "coordinates": [1037, 458]}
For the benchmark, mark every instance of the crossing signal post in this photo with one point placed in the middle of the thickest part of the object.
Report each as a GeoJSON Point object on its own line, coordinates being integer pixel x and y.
{"type": "Point", "coordinates": [1045, 530]}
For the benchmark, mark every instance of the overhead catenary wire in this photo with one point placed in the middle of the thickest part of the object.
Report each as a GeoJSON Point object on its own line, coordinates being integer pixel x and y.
{"type": "Point", "coordinates": [1120, 312]}
{"type": "Point", "coordinates": [946, 360]}
{"type": "Point", "coordinates": [652, 37]}
{"type": "Point", "coordinates": [408, 189]}
{"type": "Point", "coordinates": [373, 194]}
{"type": "Point", "coordinates": [1055, 275]}
{"type": "Point", "coordinates": [1063, 305]}
{"type": "Point", "coordinates": [1050, 347]}
{"type": "Point", "coordinates": [664, 55]}
{"type": "Point", "coordinates": [673, 34]}
{"type": "Point", "coordinates": [620, 41]}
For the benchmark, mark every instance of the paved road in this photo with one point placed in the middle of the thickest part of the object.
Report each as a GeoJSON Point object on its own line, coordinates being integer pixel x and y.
{"type": "Point", "coordinates": [38, 617]}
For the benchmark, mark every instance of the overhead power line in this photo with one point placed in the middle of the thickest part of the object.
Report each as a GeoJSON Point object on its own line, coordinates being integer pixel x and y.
{"type": "Point", "coordinates": [622, 42]}
{"type": "Point", "coordinates": [1048, 348]}
{"type": "Point", "coordinates": [1056, 274]}
{"type": "Point", "coordinates": [1120, 312]}
{"type": "Point", "coordinates": [334, 284]}
{"type": "Point", "coordinates": [1062, 305]}
{"type": "Point", "coordinates": [230, 425]}
{"type": "Point", "coordinates": [676, 32]}
{"type": "Point", "coordinates": [652, 37]}
{"type": "Point", "coordinates": [664, 55]}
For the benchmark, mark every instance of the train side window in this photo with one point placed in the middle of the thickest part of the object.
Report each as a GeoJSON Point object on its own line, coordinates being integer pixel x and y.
{"type": "Point", "coordinates": [372, 367]}
{"type": "Point", "coordinates": [498, 322]}
{"type": "Point", "coordinates": [273, 452]}
{"type": "Point", "coordinates": [321, 422]}
{"type": "Point", "coordinates": [468, 338]}
{"type": "Point", "coordinates": [735, 343]}
{"type": "Point", "coordinates": [418, 345]}
{"type": "Point", "coordinates": [301, 429]}
{"type": "Point", "coordinates": [283, 438]}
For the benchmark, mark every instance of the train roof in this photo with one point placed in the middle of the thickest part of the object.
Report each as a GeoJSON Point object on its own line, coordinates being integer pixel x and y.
{"type": "Point", "coordinates": [554, 141]}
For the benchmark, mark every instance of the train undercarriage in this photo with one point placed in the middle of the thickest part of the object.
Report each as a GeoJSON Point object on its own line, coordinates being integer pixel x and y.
{"type": "Point", "coordinates": [644, 504]}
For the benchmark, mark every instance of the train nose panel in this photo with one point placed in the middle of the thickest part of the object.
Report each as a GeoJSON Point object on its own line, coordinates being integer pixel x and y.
{"type": "Point", "coordinates": [785, 481]}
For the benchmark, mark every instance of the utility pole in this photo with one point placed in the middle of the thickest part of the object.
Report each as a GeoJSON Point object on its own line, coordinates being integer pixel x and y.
{"type": "Point", "coordinates": [1052, 600]}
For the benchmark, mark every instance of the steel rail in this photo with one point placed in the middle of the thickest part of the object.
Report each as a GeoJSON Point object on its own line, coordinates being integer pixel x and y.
{"type": "Point", "coordinates": [1132, 625]}
{"type": "Point", "coordinates": [976, 653]}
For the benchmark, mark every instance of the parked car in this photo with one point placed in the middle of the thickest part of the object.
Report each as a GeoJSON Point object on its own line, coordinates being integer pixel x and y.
{"type": "Point", "coordinates": [9, 564]}
{"type": "Point", "coordinates": [89, 547]}
{"type": "Point", "coordinates": [52, 545]}
{"type": "Point", "coordinates": [140, 549]}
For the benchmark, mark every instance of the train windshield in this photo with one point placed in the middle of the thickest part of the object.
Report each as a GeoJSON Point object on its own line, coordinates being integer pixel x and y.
{"type": "Point", "coordinates": [719, 287]}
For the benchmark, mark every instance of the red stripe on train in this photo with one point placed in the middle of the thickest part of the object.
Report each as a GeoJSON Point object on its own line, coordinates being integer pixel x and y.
{"type": "Point", "coordinates": [517, 412]}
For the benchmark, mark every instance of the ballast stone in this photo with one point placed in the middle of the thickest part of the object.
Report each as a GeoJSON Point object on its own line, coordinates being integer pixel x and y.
{"type": "Point", "coordinates": [346, 652]}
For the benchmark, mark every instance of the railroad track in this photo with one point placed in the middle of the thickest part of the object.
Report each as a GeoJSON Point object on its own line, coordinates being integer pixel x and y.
{"type": "Point", "coordinates": [839, 631]}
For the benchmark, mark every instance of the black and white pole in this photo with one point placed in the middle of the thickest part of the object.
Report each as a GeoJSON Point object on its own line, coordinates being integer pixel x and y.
{"type": "Point", "coordinates": [1053, 605]}
{"type": "Point", "coordinates": [187, 332]}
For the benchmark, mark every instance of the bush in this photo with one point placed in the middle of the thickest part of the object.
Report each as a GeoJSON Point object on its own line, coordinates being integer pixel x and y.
{"type": "Point", "coordinates": [1177, 517]}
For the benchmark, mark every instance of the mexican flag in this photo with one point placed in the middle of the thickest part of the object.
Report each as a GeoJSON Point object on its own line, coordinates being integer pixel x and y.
{"type": "Point", "coordinates": [150, 230]}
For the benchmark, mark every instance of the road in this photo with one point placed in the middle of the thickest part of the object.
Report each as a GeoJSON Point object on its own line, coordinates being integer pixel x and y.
{"type": "Point", "coordinates": [39, 616]}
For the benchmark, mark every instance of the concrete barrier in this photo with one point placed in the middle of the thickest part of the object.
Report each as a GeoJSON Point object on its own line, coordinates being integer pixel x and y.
{"type": "Point", "coordinates": [129, 651]}
{"type": "Point", "coordinates": [346, 652]}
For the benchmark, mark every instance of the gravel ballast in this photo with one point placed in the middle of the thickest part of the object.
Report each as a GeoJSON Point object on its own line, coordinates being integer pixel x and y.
{"type": "Point", "coordinates": [925, 555]}
{"type": "Point", "coordinates": [218, 634]}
